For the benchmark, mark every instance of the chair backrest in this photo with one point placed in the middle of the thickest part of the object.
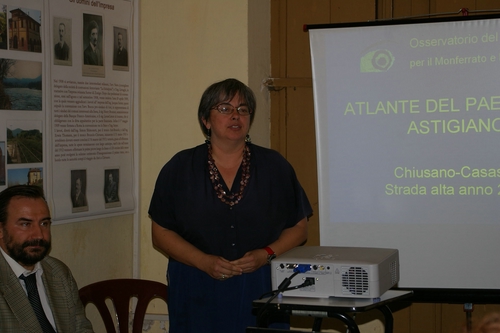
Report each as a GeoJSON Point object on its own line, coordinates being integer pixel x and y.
{"type": "Point", "coordinates": [120, 292]}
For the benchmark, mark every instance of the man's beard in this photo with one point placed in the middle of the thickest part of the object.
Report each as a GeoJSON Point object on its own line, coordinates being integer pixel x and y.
{"type": "Point", "coordinates": [19, 254]}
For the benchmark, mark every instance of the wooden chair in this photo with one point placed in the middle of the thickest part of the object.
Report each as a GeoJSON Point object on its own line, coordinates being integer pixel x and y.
{"type": "Point", "coordinates": [120, 292]}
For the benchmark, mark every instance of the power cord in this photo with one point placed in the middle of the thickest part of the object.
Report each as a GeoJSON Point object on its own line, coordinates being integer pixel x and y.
{"type": "Point", "coordinates": [284, 285]}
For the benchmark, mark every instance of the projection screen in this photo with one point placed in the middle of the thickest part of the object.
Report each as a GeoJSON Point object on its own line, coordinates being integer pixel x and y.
{"type": "Point", "coordinates": [407, 121]}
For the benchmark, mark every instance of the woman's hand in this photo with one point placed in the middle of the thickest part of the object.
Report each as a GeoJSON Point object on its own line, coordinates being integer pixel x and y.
{"type": "Point", "coordinates": [251, 261]}
{"type": "Point", "coordinates": [289, 238]}
{"type": "Point", "coordinates": [220, 268]}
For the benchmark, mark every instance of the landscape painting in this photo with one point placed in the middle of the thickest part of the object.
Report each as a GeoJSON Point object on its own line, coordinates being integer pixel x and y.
{"type": "Point", "coordinates": [20, 85]}
{"type": "Point", "coordinates": [24, 142]}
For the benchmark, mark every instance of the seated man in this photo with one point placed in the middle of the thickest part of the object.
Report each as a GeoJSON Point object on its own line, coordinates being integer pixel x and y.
{"type": "Point", "coordinates": [49, 301]}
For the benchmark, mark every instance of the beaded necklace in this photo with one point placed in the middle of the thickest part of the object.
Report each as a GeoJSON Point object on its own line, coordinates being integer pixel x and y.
{"type": "Point", "coordinates": [215, 177]}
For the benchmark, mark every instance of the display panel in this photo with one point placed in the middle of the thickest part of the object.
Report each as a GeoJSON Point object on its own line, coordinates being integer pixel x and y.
{"type": "Point", "coordinates": [407, 132]}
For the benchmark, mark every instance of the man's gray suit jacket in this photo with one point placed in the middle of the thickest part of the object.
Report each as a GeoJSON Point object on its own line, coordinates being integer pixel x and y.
{"type": "Point", "coordinates": [16, 313]}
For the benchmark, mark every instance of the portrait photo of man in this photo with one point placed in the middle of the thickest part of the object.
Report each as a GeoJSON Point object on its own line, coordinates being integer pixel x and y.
{"type": "Point", "coordinates": [111, 182]}
{"type": "Point", "coordinates": [120, 57]}
{"type": "Point", "coordinates": [78, 190]}
{"type": "Point", "coordinates": [61, 47]}
{"type": "Point", "coordinates": [93, 46]}
{"type": "Point", "coordinates": [92, 54]}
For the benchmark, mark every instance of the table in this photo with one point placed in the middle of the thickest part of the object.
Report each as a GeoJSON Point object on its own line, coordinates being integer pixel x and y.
{"type": "Point", "coordinates": [332, 307]}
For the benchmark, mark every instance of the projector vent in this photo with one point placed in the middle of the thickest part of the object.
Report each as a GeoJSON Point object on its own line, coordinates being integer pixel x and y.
{"type": "Point", "coordinates": [354, 280]}
{"type": "Point", "coordinates": [394, 272]}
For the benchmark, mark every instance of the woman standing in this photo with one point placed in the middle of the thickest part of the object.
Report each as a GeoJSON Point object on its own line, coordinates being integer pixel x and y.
{"type": "Point", "coordinates": [221, 211]}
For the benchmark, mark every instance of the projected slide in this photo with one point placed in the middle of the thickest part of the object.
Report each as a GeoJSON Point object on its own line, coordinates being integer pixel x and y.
{"type": "Point", "coordinates": [408, 137]}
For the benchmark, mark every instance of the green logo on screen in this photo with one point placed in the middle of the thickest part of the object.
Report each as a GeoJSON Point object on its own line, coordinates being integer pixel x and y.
{"type": "Point", "coordinates": [376, 61]}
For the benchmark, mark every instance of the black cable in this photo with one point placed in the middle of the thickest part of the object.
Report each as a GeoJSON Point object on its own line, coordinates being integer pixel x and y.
{"type": "Point", "coordinates": [284, 286]}
{"type": "Point", "coordinates": [306, 283]}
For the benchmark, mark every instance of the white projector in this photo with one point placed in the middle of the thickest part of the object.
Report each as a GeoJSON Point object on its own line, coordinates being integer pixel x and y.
{"type": "Point", "coordinates": [355, 272]}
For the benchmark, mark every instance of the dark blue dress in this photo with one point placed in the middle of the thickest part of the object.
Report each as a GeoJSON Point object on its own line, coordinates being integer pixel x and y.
{"type": "Point", "coordinates": [184, 201]}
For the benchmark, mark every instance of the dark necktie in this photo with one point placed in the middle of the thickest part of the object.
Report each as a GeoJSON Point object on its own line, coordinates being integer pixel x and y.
{"type": "Point", "coordinates": [34, 299]}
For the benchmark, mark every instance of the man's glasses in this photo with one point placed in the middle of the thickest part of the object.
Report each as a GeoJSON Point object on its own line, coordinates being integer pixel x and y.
{"type": "Point", "coordinates": [226, 108]}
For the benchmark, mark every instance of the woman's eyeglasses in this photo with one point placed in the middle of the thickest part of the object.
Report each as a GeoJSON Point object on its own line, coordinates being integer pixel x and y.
{"type": "Point", "coordinates": [226, 108]}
